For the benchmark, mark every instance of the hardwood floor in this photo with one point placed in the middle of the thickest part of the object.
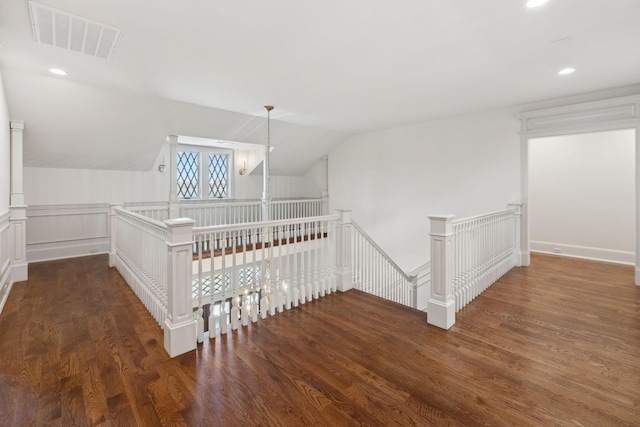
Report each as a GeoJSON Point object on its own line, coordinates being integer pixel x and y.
{"type": "Point", "coordinates": [557, 343]}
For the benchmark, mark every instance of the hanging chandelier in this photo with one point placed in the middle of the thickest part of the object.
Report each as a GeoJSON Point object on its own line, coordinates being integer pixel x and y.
{"type": "Point", "coordinates": [269, 297]}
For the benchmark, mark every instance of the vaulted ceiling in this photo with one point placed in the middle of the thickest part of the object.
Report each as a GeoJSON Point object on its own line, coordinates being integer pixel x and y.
{"type": "Point", "coordinates": [332, 68]}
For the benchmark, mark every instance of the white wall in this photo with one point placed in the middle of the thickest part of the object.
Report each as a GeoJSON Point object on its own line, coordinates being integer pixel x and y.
{"type": "Point", "coordinates": [48, 186]}
{"type": "Point", "coordinates": [393, 179]}
{"type": "Point", "coordinates": [309, 185]}
{"type": "Point", "coordinates": [582, 195]}
{"type": "Point", "coordinates": [5, 193]}
{"type": "Point", "coordinates": [282, 186]}
{"type": "Point", "coordinates": [315, 180]}
{"type": "Point", "coordinates": [5, 142]}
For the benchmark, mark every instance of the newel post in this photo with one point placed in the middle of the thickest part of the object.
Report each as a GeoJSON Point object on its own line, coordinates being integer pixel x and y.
{"type": "Point", "coordinates": [441, 306]}
{"type": "Point", "coordinates": [517, 208]}
{"type": "Point", "coordinates": [113, 232]}
{"type": "Point", "coordinates": [179, 326]}
{"type": "Point", "coordinates": [343, 268]}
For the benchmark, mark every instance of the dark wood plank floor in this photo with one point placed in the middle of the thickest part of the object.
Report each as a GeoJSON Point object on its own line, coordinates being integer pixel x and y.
{"type": "Point", "coordinates": [557, 343]}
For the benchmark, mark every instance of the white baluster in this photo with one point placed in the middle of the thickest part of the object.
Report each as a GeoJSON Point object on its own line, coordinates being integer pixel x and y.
{"type": "Point", "coordinates": [287, 296]}
{"type": "Point", "coordinates": [254, 308]}
{"type": "Point", "coordinates": [264, 305]}
{"type": "Point", "coordinates": [244, 315]}
{"type": "Point", "coordinates": [281, 301]}
{"type": "Point", "coordinates": [303, 291]}
{"type": "Point", "coordinates": [223, 317]}
{"type": "Point", "coordinates": [234, 313]}
{"type": "Point", "coordinates": [272, 301]}
{"type": "Point", "coordinates": [296, 296]}
{"type": "Point", "coordinates": [200, 325]}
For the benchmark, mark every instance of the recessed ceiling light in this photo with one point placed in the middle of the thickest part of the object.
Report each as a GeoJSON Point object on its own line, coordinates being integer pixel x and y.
{"type": "Point", "coordinates": [57, 71]}
{"type": "Point", "coordinates": [535, 3]}
{"type": "Point", "coordinates": [566, 71]}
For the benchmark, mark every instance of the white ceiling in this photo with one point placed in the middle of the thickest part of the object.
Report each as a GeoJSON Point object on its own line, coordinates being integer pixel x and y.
{"type": "Point", "coordinates": [331, 68]}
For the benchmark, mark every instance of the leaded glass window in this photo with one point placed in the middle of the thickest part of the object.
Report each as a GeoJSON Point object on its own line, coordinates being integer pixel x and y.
{"type": "Point", "coordinates": [218, 175]}
{"type": "Point", "coordinates": [203, 172]}
{"type": "Point", "coordinates": [188, 174]}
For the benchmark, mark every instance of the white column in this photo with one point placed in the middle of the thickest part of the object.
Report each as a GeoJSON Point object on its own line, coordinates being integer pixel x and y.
{"type": "Point", "coordinates": [174, 205]}
{"type": "Point", "coordinates": [517, 207]}
{"type": "Point", "coordinates": [266, 191]}
{"type": "Point", "coordinates": [325, 203]}
{"type": "Point", "coordinates": [343, 269]}
{"type": "Point", "coordinates": [525, 254]}
{"type": "Point", "coordinates": [179, 327]}
{"type": "Point", "coordinates": [441, 307]}
{"type": "Point", "coordinates": [18, 218]}
{"type": "Point", "coordinates": [113, 228]}
{"type": "Point", "coordinates": [325, 182]}
{"type": "Point", "coordinates": [17, 192]}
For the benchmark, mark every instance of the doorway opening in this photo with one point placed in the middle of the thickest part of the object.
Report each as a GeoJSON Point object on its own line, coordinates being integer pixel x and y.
{"type": "Point", "coordinates": [582, 196]}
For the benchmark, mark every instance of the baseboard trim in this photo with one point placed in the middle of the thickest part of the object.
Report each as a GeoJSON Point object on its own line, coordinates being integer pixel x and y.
{"type": "Point", "coordinates": [5, 296]}
{"type": "Point", "coordinates": [62, 250]}
{"type": "Point", "coordinates": [584, 252]}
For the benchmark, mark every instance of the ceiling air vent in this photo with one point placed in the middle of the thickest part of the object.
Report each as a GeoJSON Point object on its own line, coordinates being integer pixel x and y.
{"type": "Point", "coordinates": [61, 29]}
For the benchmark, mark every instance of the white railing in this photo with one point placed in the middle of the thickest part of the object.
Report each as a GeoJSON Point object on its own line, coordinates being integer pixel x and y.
{"type": "Point", "coordinates": [483, 247]}
{"type": "Point", "coordinates": [141, 259]}
{"type": "Point", "coordinates": [238, 212]}
{"type": "Point", "coordinates": [376, 273]}
{"type": "Point", "coordinates": [467, 256]}
{"type": "Point", "coordinates": [209, 213]}
{"type": "Point", "coordinates": [231, 274]}
{"type": "Point", "coordinates": [243, 271]}
{"type": "Point", "coordinates": [302, 208]}
{"type": "Point", "coordinates": [218, 213]}
{"type": "Point", "coordinates": [157, 211]}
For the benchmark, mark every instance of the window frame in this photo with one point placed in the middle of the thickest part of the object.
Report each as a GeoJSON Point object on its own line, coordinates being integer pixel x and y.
{"type": "Point", "coordinates": [203, 170]}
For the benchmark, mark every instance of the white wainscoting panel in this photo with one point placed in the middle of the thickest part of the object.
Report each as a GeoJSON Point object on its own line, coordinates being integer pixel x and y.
{"type": "Point", "coordinates": [5, 259]}
{"type": "Point", "coordinates": [66, 231]}
{"type": "Point", "coordinates": [596, 254]}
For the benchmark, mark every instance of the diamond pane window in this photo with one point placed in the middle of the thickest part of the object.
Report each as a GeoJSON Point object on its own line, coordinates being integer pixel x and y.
{"type": "Point", "coordinates": [188, 174]}
{"type": "Point", "coordinates": [246, 276]}
{"type": "Point", "coordinates": [206, 285]}
{"type": "Point", "coordinates": [218, 175]}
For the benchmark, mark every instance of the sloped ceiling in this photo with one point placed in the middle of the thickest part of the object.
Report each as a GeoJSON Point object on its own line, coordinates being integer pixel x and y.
{"type": "Point", "coordinates": [331, 68]}
{"type": "Point", "coordinates": [77, 125]}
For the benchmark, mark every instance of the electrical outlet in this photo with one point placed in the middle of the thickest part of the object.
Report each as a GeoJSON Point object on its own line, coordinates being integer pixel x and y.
{"type": "Point", "coordinates": [557, 250]}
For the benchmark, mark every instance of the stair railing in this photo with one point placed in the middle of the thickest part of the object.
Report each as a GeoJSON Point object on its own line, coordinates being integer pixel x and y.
{"type": "Point", "coordinates": [467, 256]}
{"type": "Point", "coordinates": [376, 273]}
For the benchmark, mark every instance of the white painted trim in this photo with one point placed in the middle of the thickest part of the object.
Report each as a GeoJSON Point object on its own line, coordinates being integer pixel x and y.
{"type": "Point", "coordinates": [55, 252]}
{"type": "Point", "coordinates": [584, 252]}
{"type": "Point", "coordinates": [5, 295]}
{"type": "Point", "coordinates": [423, 285]}
{"type": "Point", "coordinates": [67, 231]}
{"type": "Point", "coordinates": [71, 207]}
{"type": "Point", "coordinates": [6, 279]}
{"type": "Point", "coordinates": [596, 116]}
